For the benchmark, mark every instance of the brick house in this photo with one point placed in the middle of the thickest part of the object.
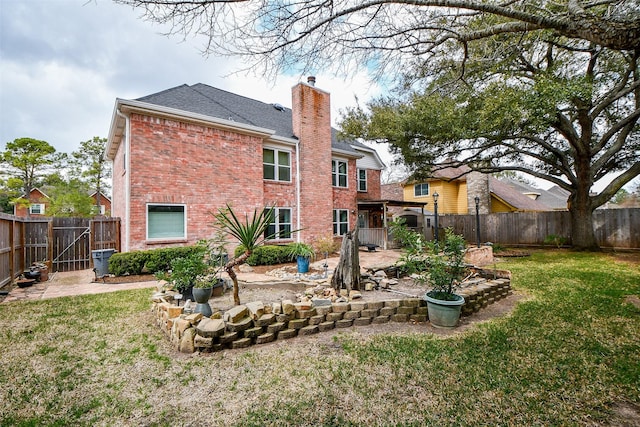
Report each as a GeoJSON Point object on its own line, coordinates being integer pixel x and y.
{"type": "Point", "coordinates": [103, 201]}
{"type": "Point", "coordinates": [182, 153]}
{"type": "Point", "coordinates": [36, 206]}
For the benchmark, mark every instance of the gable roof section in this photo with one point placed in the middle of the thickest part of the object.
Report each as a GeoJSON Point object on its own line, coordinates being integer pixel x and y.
{"type": "Point", "coordinates": [210, 101]}
{"type": "Point", "coordinates": [555, 198]}
{"type": "Point", "coordinates": [513, 197]}
{"type": "Point", "coordinates": [207, 101]}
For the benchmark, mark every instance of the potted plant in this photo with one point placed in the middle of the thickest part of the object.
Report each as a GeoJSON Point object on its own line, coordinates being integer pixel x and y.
{"type": "Point", "coordinates": [202, 291]}
{"type": "Point", "coordinates": [302, 253]}
{"type": "Point", "coordinates": [183, 273]}
{"type": "Point", "coordinates": [446, 266]}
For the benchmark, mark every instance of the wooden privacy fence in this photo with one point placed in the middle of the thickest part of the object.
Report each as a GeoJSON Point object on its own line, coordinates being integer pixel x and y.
{"type": "Point", "coordinates": [614, 228]}
{"type": "Point", "coordinates": [65, 244]}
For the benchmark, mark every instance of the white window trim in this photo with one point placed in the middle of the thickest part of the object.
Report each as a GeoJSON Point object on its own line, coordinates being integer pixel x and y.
{"type": "Point", "coordinates": [421, 184]}
{"type": "Point", "coordinates": [276, 211]}
{"type": "Point", "coordinates": [40, 205]}
{"type": "Point", "coordinates": [152, 239]}
{"type": "Point", "coordinates": [277, 150]}
{"type": "Point", "coordinates": [365, 180]}
{"type": "Point", "coordinates": [336, 162]}
{"type": "Point", "coordinates": [338, 222]}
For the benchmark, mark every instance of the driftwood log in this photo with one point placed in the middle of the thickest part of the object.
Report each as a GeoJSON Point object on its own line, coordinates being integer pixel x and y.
{"type": "Point", "coordinates": [347, 272]}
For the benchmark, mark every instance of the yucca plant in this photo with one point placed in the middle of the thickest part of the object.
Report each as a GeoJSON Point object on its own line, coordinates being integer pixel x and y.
{"type": "Point", "coordinates": [250, 233]}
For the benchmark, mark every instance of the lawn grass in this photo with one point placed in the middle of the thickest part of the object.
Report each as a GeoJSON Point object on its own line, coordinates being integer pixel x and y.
{"type": "Point", "coordinates": [568, 354]}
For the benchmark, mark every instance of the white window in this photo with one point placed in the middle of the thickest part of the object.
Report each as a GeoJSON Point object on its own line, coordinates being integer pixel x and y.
{"type": "Point", "coordinates": [362, 180]}
{"type": "Point", "coordinates": [421, 189]}
{"type": "Point", "coordinates": [339, 173]}
{"type": "Point", "coordinates": [280, 227]}
{"type": "Point", "coordinates": [340, 221]}
{"type": "Point", "coordinates": [36, 209]}
{"type": "Point", "coordinates": [166, 222]}
{"type": "Point", "coordinates": [276, 164]}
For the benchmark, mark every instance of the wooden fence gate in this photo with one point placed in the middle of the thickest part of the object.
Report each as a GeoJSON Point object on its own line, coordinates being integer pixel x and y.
{"type": "Point", "coordinates": [67, 243]}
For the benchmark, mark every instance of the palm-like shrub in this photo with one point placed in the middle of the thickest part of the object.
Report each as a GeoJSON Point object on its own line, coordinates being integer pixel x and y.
{"type": "Point", "coordinates": [250, 233]}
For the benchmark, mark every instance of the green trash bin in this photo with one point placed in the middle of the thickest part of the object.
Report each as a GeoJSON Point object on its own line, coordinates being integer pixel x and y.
{"type": "Point", "coordinates": [101, 261]}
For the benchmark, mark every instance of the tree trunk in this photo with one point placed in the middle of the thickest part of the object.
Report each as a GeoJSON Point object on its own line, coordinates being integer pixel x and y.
{"type": "Point", "coordinates": [232, 274]}
{"type": "Point", "coordinates": [582, 235]}
{"type": "Point", "coordinates": [347, 273]}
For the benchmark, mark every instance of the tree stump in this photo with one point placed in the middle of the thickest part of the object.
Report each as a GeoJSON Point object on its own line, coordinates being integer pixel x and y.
{"type": "Point", "coordinates": [347, 272]}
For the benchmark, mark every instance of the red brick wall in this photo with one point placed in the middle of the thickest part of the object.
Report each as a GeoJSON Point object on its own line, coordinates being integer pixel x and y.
{"type": "Point", "coordinates": [345, 198]}
{"type": "Point", "coordinates": [312, 126]}
{"type": "Point", "coordinates": [203, 168]}
{"type": "Point", "coordinates": [373, 186]}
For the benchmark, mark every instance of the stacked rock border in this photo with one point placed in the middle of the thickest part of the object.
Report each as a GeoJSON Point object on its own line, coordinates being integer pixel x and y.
{"type": "Point", "coordinates": [255, 323]}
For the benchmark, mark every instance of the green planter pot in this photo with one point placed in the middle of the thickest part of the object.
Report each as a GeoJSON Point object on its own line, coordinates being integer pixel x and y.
{"type": "Point", "coordinates": [444, 313]}
{"type": "Point", "coordinates": [201, 296]}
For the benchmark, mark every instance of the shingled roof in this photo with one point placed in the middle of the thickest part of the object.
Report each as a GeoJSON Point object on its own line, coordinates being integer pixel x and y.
{"type": "Point", "coordinates": [210, 101]}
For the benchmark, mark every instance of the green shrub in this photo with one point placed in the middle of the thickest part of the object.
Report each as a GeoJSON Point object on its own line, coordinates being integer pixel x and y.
{"type": "Point", "coordinates": [125, 263]}
{"type": "Point", "coordinates": [266, 255]}
{"type": "Point", "coordinates": [151, 261]}
{"type": "Point", "coordinates": [160, 259]}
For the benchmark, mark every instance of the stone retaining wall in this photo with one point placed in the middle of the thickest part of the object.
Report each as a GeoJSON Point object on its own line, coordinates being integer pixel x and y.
{"type": "Point", "coordinates": [256, 323]}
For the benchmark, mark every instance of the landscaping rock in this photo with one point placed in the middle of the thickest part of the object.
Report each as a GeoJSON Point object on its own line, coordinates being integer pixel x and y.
{"type": "Point", "coordinates": [186, 342]}
{"type": "Point", "coordinates": [236, 313]}
{"type": "Point", "coordinates": [265, 320]}
{"type": "Point", "coordinates": [210, 328]}
{"type": "Point", "coordinates": [256, 309]}
{"type": "Point", "coordinates": [288, 307]}
{"type": "Point", "coordinates": [265, 338]}
{"type": "Point", "coordinates": [240, 326]}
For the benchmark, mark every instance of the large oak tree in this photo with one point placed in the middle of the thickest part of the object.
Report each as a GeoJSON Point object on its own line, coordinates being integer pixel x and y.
{"type": "Point", "coordinates": [563, 112]}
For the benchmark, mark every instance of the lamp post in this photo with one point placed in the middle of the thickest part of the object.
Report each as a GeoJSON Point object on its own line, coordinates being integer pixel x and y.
{"type": "Point", "coordinates": [477, 200]}
{"type": "Point", "coordinates": [435, 212]}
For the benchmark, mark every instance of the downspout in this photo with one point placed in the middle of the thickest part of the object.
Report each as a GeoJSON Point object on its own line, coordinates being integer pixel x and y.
{"type": "Point", "coordinates": [127, 187]}
{"type": "Point", "coordinates": [298, 209]}
{"type": "Point", "coordinates": [385, 226]}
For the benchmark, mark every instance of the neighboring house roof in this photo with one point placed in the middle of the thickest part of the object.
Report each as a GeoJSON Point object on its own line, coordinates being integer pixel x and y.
{"type": "Point", "coordinates": [93, 193]}
{"type": "Point", "coordinates": [513, 197]}
{"type": "Point", "coordinates": [38, 190]}
{"type": "Point", "coordinates": [451, 173]}
{"type": "Point", "coordinates": [555, 198]}
{"type": "Point", "coordinates": [208, 101]}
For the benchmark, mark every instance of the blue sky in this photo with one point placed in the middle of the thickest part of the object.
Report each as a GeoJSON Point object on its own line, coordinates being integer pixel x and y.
{"type": "Point", "coordinates": [64, 62]}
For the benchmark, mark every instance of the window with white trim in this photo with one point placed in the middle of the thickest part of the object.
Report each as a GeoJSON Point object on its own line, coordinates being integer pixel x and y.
{"type": "Point", "coordinates": [36, 209]}
{"type": "Point", "coordinates": [276, 164]}
{"type": "Point", "coordinates": [420, 190]}
{"type": "Point", "coordinates": [280, 227]}
{"type": "Point", "coordinates": [166, 221]}
{"type": "Point", "coordinates": [362, 180]}
{"type": "Point", "coordinates": [339, 173]}
{"type": "Point", "coordinates": [340, 221]}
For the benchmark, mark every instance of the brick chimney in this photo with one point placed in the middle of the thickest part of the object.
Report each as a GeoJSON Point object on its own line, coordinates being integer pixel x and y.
{"type": "Point", "coordinates": [311, 112]}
